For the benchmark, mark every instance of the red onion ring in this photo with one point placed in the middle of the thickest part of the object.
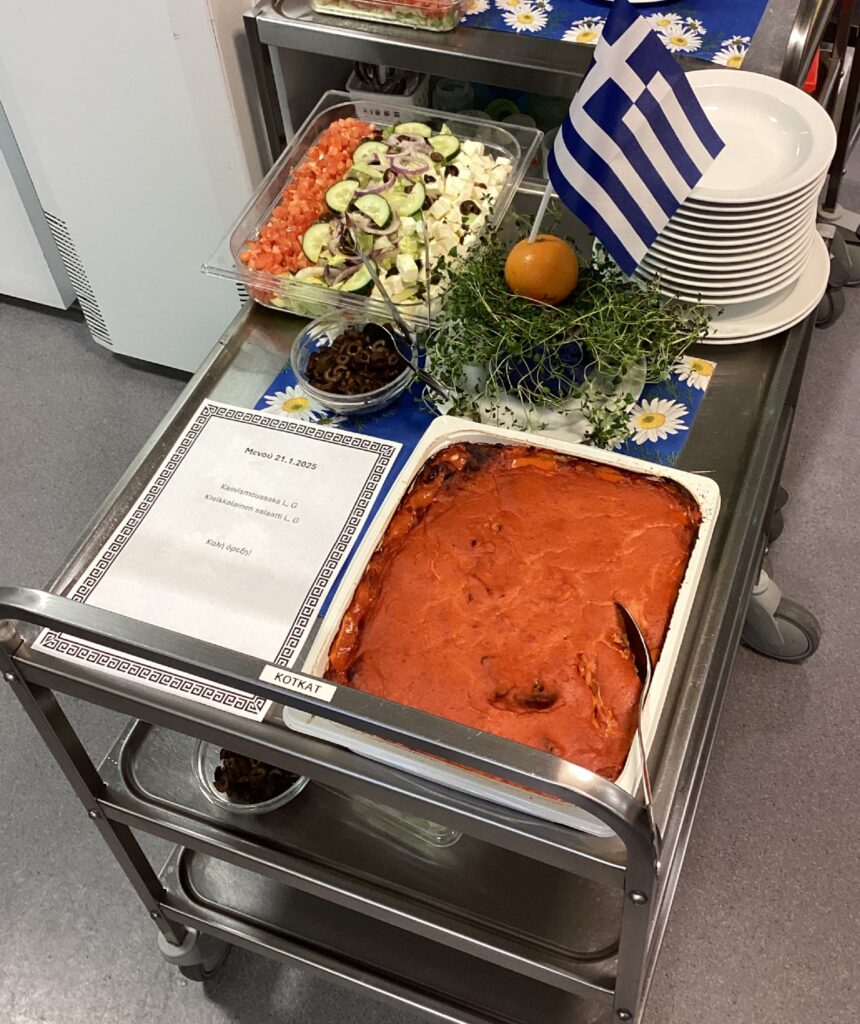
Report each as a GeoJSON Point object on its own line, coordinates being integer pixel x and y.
{"type": "Point", "coordinates": [414, 166]}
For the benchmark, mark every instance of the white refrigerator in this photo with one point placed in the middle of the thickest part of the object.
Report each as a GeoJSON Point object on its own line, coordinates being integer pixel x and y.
{"type": "Point", "coordinates": [137, 129]}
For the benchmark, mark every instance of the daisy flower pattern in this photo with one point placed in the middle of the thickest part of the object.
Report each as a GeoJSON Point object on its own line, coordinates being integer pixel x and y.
{"type": "Point", "coordinates": [586, 30]}
{"type": "Point", "coordinates": [665, 22]}
{"type": "Point", "coordinates": [525, 19]}
{"type": "Point", "coordinates": [680, 40]}
{"type": "Point", "coordinates": [731, 56]}
{"type": "Point", "coordinates": [476, 6]}
{"type": "Point", "coordinates": [509, 5]}
{"type": "Point", "coordinates": [655, 419]}
{"type": "Point", "coordinates": [695, 372]}
{"type": "Point", "coordinates": [737, 41]}
{"type": "Point", "coordinates": [293, 402]}
{"type": "Point", "coordinates": [694, 25]}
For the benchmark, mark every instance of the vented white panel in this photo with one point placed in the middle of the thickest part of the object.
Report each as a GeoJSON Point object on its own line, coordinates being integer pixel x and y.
{"type": "Point", "coordinates": [79, 279]}
{"type": "Point", "coordinates": [126, 120]}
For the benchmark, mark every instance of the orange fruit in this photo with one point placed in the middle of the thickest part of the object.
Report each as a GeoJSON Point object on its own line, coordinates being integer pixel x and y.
{"type": "Point", "coordinates": [546, 269]}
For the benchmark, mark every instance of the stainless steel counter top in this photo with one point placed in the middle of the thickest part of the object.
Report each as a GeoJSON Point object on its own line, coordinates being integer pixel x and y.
{"type": "Point", "coordinates": [782, 46]}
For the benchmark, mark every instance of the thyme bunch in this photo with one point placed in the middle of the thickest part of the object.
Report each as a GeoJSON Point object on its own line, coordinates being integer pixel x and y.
{"type": "Point", "coordinates": [489, 345]}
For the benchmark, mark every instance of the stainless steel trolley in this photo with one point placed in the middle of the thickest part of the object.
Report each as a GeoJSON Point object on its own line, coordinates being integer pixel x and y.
{"type": "Point", "coordinates": [521, 921]}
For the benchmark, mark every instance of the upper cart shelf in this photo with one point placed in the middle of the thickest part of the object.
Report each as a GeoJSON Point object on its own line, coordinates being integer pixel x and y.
{"type": "Point", "coordinates": [782, 47]}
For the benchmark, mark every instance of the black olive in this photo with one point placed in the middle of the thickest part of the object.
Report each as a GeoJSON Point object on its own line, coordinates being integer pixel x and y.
{"type": "Point", "coordinates": [480, 184]}
{"type": "Point", "coordinates": [429, 178]}
{"type": "Point", "coordinates": [451, 169]}
{"type": "Point", "coordinates": [469, 206]}
{"type": "Point", "coordinates": [437, 158]}
{"type": "Point", "coordinates": [435, 278]}
{"type": "Point", "coordinates": [408, 189]}
{"type": "Point", "coordinates": [324, 218]}
{"type": "Point", "coordinates": [428, 202]}
{"type": "Point", "coordinates": [419, 263]}
{"type": "Point", "coordinates": [391, 272]}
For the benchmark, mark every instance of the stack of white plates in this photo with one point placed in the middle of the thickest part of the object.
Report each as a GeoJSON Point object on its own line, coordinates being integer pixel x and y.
{"type": "Point", "coordinates": [745, 239]}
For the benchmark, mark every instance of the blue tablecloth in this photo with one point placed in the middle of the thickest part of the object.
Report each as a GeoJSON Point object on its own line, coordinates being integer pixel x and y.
{"type": "Point", "coordinates": [714, 30]}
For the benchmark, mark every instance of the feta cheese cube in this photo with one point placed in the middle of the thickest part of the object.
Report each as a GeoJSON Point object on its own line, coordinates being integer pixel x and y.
{"type": "Point", "coordinates": [472, 148]}
{"type": "Point", "coordinates": [408, 226]}
{"type": "Point", "coordinates": [452, 189]}
{"type": "Point", "coordinates": [436, 249]}
{"type": "Point", "coordinates": [392, 283]}
{"type": "Point", "coordinates": [440, 207]}
{"type": "Point", "coordinates": [420, 227]}
{"type": "Point", "coordinates": [408, 269]}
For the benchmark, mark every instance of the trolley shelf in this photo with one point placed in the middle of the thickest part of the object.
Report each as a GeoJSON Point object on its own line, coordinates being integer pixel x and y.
{"type": "Point", "coordinates": [552, 925]}
{"type": "Point", "coordinates": [248, 910]}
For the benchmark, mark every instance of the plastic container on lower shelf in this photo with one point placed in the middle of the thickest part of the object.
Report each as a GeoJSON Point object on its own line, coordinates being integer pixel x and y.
{"type": "Point", "coordinates": [403, 827]}
{"type": "Point", "coordinates": [432, 15]}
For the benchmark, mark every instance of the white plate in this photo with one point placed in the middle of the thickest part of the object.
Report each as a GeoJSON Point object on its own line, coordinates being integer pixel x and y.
{"type": "Point", "coordinates": [713, 234]}
{"type": "Point", "coordinates": [699, 206]}
{"type": "Point", "coordinates": [742, 216]}
{"type": "Point", "coordinates": [441, 433]}
{"type": "Point", "coordinates": [728, 298]}
{"type": "Point", "coordinates": [760, 319]}
{"type": "Point", "coordinates": [710, 276]}
{"type": "Point", "coordinates": [777, 138]}
{"type": "Point", "coordinates": [703, 259]}
{"type": "Point", "coordinates": [737, 288]}
{"type": "Point", "coordinates": [702, 249]}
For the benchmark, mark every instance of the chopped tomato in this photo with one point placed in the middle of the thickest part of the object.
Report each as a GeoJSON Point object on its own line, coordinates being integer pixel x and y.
{"type": "Point", "coordinates": [277, 248]}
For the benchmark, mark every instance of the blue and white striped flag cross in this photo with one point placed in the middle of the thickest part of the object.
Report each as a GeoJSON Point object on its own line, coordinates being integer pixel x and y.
{"type": "Point", "coordinates": [635, 141]}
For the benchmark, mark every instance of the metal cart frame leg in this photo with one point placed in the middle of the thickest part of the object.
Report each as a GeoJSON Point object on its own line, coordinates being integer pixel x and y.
{"type": "Point", "coordinates": [56, 731]}
{"type": "Point", "coordinates": [626, 816]}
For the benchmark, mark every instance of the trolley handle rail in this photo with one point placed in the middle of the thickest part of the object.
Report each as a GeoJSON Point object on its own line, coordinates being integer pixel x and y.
{"type": "Point", "coordinates": [417, 730]}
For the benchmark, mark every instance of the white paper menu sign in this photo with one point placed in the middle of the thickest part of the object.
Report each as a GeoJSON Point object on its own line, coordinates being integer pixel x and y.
{"type": "Point", "coordinates": [235, 540]}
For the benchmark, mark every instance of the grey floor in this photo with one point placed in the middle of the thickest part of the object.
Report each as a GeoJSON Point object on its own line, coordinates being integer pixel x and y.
{"type": "Point", "coordinates": [765, 926]}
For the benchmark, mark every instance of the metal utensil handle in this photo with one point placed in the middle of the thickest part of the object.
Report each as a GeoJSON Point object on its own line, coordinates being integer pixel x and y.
{"type": "Point", "coordinates": [371, 269]}
{"type": "Point", "coordinates": [646, 778]}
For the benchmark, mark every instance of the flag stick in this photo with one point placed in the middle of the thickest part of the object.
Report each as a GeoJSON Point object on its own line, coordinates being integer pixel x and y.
{"type": "Point", "coordinates": [545, 198]}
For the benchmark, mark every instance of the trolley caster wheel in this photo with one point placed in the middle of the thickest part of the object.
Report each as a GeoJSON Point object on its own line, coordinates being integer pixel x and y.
{"type": "Point", "coordinates": [793, 637]}
{"type": "Point", "coordinates": [203, 972]}
{"type": "Point", "coordinates": [199, 956]}
{"type": "Point", "coordinates": [775, 527]}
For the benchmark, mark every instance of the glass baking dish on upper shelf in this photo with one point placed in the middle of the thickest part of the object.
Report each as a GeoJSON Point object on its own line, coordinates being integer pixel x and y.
{"type": "Point", "coordinates": [395, 173]}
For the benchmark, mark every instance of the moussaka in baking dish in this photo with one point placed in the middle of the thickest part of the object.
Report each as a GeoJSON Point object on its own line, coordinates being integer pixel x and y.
{"type": "Point", "coordinates": [491, 598]}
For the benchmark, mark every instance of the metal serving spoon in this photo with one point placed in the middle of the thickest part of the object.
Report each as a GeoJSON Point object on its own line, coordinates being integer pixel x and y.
{"type": "Point", "coordinates": [421, 374]}
{"type": "Point", "coordinates": [642, 661]}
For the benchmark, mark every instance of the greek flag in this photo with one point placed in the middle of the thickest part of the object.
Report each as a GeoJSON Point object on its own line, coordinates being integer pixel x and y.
{"type": "Point", "coordinates": [635, 141]}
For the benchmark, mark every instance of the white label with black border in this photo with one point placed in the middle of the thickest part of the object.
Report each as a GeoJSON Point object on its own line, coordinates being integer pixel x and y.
{"type": "Point", "coordinates": [301, 684]}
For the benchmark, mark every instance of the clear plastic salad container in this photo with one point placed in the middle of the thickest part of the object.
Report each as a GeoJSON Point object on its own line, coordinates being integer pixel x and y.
{"type": "Point", "coordinates": [515, 144]}
{"type": "Point", "coordinates": [434, 15]}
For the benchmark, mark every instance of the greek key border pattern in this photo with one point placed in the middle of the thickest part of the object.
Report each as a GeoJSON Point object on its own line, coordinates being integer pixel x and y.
{"type": "Point", "coordinates": [188, 686]}
{"type": "Point", "coordinates": [194, 688]}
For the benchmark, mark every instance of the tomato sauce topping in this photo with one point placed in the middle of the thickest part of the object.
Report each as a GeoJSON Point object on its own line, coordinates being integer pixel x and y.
{"type": "Point", "coordinates": [491, 598]}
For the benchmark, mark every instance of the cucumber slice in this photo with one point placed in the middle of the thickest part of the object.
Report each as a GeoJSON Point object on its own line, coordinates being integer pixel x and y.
{"type": "Point", "coordinates": [367, 149]}
{"type": "Point", "coordinates": [315, 239]}
{"type": "Point", "coordinates": [408, 203]}
{"type": "Point", "coordinates": [376, 207]}
{"type": "Point", "coordinates": [414, 128]}
{"type": "Point", "coordinates": [447, 145]}
{"type": "Point", "coordinates": [339, 196]}
{"type": "Point", "coordinates": [375, 171]}
{"type": "Point", "coordinates": [358, 282]}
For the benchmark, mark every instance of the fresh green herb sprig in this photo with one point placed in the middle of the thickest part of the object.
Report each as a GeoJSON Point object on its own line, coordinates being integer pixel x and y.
{"type": "Point", "coordinates": [489, 345]}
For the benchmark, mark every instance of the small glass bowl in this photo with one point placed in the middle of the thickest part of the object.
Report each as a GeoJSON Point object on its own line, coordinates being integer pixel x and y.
{"type": "Point", "coordinates": [208, 756]}
{"type": "Point", "coordinates": [319, 334]}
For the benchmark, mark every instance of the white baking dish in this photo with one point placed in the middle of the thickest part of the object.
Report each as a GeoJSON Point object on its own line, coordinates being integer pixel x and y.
{"type": "Point", "coordinates": [444, 431]}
